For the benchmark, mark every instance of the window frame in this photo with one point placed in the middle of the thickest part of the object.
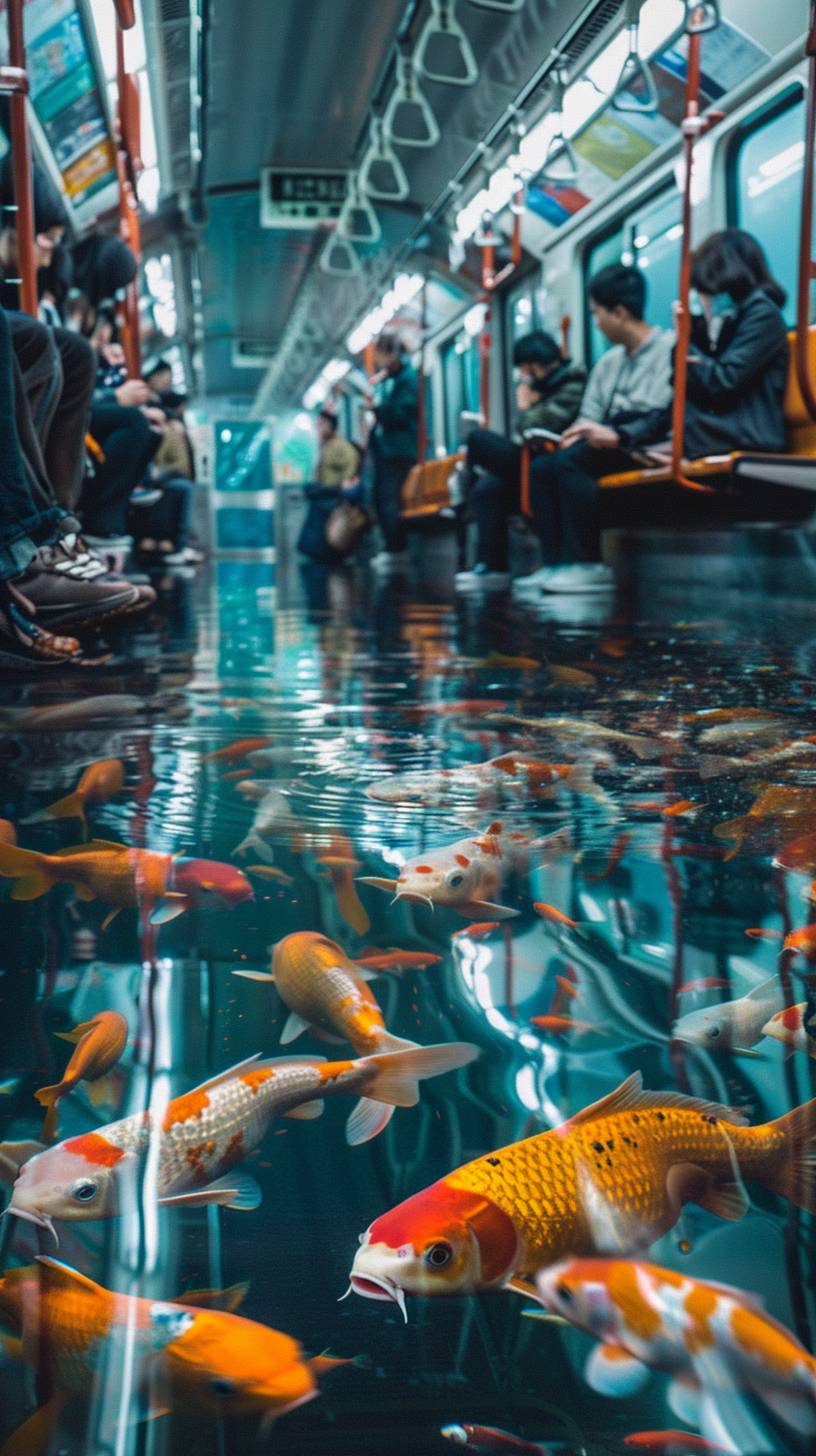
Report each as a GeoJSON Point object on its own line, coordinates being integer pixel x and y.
{"type": "Point", "coordinates": [794, 93]}
{"type": "Point", "coordinates": [616, 224]}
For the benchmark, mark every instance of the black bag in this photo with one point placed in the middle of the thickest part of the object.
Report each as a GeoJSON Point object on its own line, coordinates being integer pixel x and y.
{"type": "Point", "coordinates": [333, 526]}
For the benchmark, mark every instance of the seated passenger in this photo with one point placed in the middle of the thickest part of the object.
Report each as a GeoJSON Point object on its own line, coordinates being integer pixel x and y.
{"type": "Point", "coordinates": [737, 374]}
{"type": "Point", "coordinates": [393, 444]}
{"type": "Point", "coordinates": [625, 405]}
{"type": "Point", "coordinates": [338, 459]}
{"type": "Point", "coordinates": [548, 394]}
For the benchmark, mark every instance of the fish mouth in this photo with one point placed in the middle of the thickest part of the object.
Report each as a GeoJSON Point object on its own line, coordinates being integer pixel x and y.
{"type": "Point", "coordinates": [375, 1286]}
{"type": "Point", "coordinates": [415, 897]}
{"type": "Point", "coordinates": [40, 1220]}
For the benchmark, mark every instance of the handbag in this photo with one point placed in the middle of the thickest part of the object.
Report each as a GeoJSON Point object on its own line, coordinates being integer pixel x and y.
{"type": "Point", "coordinates": [346, 526]}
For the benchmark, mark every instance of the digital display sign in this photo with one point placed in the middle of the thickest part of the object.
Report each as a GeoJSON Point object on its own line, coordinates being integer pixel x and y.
{"type": "Point", "coordinates": [301, 197]}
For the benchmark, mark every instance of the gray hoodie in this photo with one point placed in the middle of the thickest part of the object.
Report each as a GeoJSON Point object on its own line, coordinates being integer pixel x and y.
{"type": "Point", "coordinates": [630, 384]}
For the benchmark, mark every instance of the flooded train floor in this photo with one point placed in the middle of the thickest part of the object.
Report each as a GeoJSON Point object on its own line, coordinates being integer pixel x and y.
{"type": "Point", "coordinates": [534, 839]}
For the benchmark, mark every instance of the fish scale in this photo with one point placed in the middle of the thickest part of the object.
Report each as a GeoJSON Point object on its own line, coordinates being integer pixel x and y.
{"type": "Point", "coordinates": [317, 981]}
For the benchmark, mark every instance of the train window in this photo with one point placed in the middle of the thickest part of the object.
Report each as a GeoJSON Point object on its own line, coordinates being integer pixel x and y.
{"type": "Point", "coordinates": [460, 383]}
{"type": "Point", "coordinates": [651, 238]}
{"type": "Point", "coordinates": [765, 184]}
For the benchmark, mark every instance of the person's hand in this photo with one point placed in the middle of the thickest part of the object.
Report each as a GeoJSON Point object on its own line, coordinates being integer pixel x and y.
{"type": "Point", "coordinates": [132, 392]}
{"type": "Point", "coordinates": [589, 432]}
{"type": "Point", "coordinates": [524, 395]}
{"type": "Point", "coordinates": [157, 417]}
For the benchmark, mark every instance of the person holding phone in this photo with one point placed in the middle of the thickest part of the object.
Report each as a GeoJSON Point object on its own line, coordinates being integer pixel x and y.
{"type": "Point", "coordinates": [549, 389]}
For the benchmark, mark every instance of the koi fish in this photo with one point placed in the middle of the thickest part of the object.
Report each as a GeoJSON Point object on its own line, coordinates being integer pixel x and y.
{"type": "Point", "coordinates": [802, 942]}
{"type": "Point", "coordinates": [787, 802]}
{"type": "Point", "coordinates": [397, 961]}
{"type": "Point", "coordinates": [732, 1024]}
{"type": "Point", "coordinates": [510, 777]}
{"type": "Point", "coordinates": [98, 1045]}
{"type": "Point", "coordinates": [614, 1176]}
{"type": "Point", "coordinates": [682, 806]}
{"type": "Point", "coordinates": [794, 1027]}
{"type": "Point", "coordinates": [800, 854]}
{"type": "Point", "coordinates": [79, 710]}
{"type": "Point", "coordinates": [462, 707]}
{"type": "Point", "coordinates": [490, 1439]}
{"type": "Point", "coordinates": [674, 1443]}
{"type": "Point", "coordinates": [477, 931]}
{"type": "Point", "coordinates": [165, 884]}
{"type": "Point", "coordinates": [713, 1340]}
{"type": "Point", "coordinates": [465, 876]}
{"type": "Point", "coordinates": [737, 730]}
{"type": "Point", "coordinates": [203, 1134]}
{"type": "Point", "coordinates": [337, 858]}
{"type": "Point", "coordinates": [205, 1360]}
{"type": "Point", "coordinates": [234, 752]}
{"type": "Point", "coordinates": [573, 677]}
{"type": "Point", "coordinates": [99, 782]}
{"type": "Point", "coordinates": [712, 765]}
{"type": "Point", "coordinates": [643, 748]}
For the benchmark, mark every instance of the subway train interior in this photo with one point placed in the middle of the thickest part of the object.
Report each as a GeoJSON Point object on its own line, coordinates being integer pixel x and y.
{"type": "Point", "coordinates": [407, 727]}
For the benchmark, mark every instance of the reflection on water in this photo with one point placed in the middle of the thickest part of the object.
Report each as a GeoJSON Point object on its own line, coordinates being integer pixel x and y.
{"type": "Point", "coordinates": [248, 731]}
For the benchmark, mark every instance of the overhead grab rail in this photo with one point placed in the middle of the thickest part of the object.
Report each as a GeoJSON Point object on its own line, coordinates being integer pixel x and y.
{"type": "Point", "coordinates": [807, 264]}
{"type": "Point", "coordinates": [382, 175]}
{"type": "Point", "coordinates": [560, 163]}
{"type": "Point", "coordinates": [443, 52]}
{"type": "Point", "coordinates": [14, 84]}
{"type": "Point", "coordinates": [635, 90]}
{"type": "Point", "coordinates": [409, 120]}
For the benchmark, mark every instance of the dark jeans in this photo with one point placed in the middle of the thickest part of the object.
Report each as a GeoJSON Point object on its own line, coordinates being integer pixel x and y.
{"type": "Point", "coordinates": [389, 475]}
{"type": "Point", "coordinates": [169, 518]}
{"type": "Point", "coordinates": [495, 496]}
{"type": "Point", "coordinates": [25, 521]}
{"type": "Point", "coordinates": [129, 445]}
{"type": "Point", "coordinates": [57, 372]}
{"type": "Point", "coordinates": [565, 503]}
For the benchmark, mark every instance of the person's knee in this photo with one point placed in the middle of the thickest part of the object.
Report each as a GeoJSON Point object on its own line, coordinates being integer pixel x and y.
{"type": "Point", "coordinates": [78, 358]}
{"type": "Point", "coordinates": [488, 490]}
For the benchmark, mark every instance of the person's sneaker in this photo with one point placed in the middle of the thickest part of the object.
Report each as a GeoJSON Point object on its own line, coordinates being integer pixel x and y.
{"type": "Point", "coordinates": [389, 561]}
{"type": "Point", "coordinates": [533, 582]}
{"type": "Point", "coordinates": [145, 495]}
{"type": "Point", "coordinates": [24, 644]}
{"type": "Point", "coordinates": [61, 600]}
{"type": "Point", "coordinates": [185, 556]}
{"type": "Point", "coordinates": [481, 578]}
{"type": "Point", "coordinates": [583, 576]}
{"type": "Point", "coordinates": [71, 557]}
{"type": "Point", "coordinates": [112, 550]}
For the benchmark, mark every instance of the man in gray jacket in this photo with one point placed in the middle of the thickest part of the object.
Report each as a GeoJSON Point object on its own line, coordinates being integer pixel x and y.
{"type": "Point", "coordinates": [627, 394]}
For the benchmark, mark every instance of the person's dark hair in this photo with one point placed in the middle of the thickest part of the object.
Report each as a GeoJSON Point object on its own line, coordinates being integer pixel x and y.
{"type": "Point", "coordinates": [536, 348]}
{"type": "Point", "coordinates": [160, 366]}
{"type": "Point", "coordinates": [329, 416]}
{"type": "Point", "coordinates": [733, 262]}
{"type": "Point", "coordinates": [103, 266]}
{"type": "Point", "coordinates": [620, 286]}
{"type": "Point", "coordinates": [391, 343]}
{"type": "Point", "coordinates": [49, 209]}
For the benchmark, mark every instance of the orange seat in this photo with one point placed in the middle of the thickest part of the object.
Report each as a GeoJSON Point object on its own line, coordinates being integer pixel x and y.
{"type": "Point", "coordinates": [425, 489]}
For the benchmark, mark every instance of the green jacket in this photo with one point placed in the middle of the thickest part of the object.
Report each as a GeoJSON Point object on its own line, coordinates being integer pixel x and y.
{"type": "Point", "coordinates": [396, 414]}
{"type": "Point", "coordinates": [558, 404]}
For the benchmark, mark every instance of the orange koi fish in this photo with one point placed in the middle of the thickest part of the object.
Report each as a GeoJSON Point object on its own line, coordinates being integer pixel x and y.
{"type": "Point", "coordinates": [713, 1340]}
{"type": "Point", "coordinates": [465, 876]}
{"type": "Point", "coordinates": [512, 777]}
{"type": "Point", "coordinates": [339, 862]}
{"type": "Point", "coordinates": [557, 917]}
{"type": "Point", "coordinates": [99, 1044]}
{"type": "Point", "coordinates": [202, 1135]}
{"type": "Point", "coordinates": [616, 1173]}
{"type": "Point", "coordinates": [802, 942]}
{"type": "Point", "coordinates": [397, 961]}
{"type": "Point", "coordinates": [682, 806]}
{"type": "Point", "coordinates": [204, 1360]}
{"type": "Point", "coordinates": [99, 782]}
{"type": "Point", "coordinates": [477, 931]}
{"type": "Point", "coordinates": [8, 833]}
{"type": "Point", "coordinates": [234, 752]}
{"type": "Point", "coordinates": [561, 1024]}
{"type": "Point", "coordinates": [164, 884]}
{"type": "Point", "coordinates": [794, 1027]}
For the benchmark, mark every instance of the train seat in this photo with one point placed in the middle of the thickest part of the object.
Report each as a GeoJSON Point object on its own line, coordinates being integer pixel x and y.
{"type": "Point", "coordinates": [425, 492]}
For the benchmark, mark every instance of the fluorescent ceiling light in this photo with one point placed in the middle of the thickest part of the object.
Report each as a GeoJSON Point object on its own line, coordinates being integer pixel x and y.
{"type": "Point", "coordinates": [405, 287]}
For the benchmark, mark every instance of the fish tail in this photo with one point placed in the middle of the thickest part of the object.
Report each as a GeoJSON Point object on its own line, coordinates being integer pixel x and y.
{"type": "Point", "coordinates": [31, 872]}
{"type": "Point", "coordinates": [791, 1168]}
{"type": "Point", "coordinates": [71, 807]}
{"type": "Point", "coordinates": [47, 1096]}
{"type": "Point", "coordinates": [395, 1082]}
{"type": "Point", "coordinates": [349, 903]}
{"type": "Point", "coordinates": [48, 1132]}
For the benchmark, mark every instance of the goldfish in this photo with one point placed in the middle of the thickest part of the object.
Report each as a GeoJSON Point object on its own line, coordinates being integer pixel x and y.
{"type": "Point", "coordinates": [558, 1024]}
{"type": "Point", "coordinates": [643, 748]}
{"type": "Point", "coordinates": [270, 872]}
{"type": "Point", "coordinates": [758, 932]}
{"type": "Point", "coordinates": [681, 806]}
{"type": "Point", "coordinates": [713, 1340]}
{"type": "Point", "coordinates": [477, 931]}
{"type": "Point", "coordinates": [397, 961]}
{"type": "Point", "coordinates": [732, 1024]}
{"type": "Point", "coordinates": [612, 1177]}
{"type": "Point", "coordinates": [512, 776]}
{"type": "Point", "coordinates": [234, 752]}
{"type": "Point", "coordinates": [794, 1027]}
{"type": "Point", "coordinates": [490, 1439]}
{"type": "Point", "coordinates": [802, 942]}
{"type": "Point", "coordinates": [557, 917]}
{"type": "Point", "coordinates": [99, 1044]}
{"type": "Point", "coordinates": [99, 782]}
{"type": "Point", "coordinates": [165, 884]}
{"type": "Point", "coordinates": [674, 1443]}
{"type": "Point", "coordinates": [205, 1360]}
{"type": "Point", "coordinates": [202, 1135]}
{"type": "Point", "coordinates": [8, 833]}
{"type": "Point", "coordinates": [465, 876]}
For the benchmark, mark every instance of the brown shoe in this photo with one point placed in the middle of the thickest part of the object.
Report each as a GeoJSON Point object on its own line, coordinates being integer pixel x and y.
{"type": "Point", "coordinates": [62, 600]}
{"type": "Point", "coordinates": [23, 643]}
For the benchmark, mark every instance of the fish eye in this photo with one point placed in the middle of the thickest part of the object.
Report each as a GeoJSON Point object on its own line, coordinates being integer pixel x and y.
{"type": "Point", "coordinates": [712, 1032]}
{"type": "Point", "coordinates": [438, 1255]}
{"type": "Point", "coordinates": [455, 878]}
{"type": "Point", "coordinates": [564, 1293]}
{"type": "Point", "coordinates": [84, 1191]}
{"type": "Point", "coordinates": [219, 1385]}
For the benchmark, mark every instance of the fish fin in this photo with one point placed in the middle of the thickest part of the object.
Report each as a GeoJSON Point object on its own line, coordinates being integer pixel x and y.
{"type": "Point", "coordinates": [378, 882]}
{"type": "Point", "coordinates": [261, 848]}
{"type": "Point", "coordinates": [88, 847]}
{"type": "Point", "coordinates": [484, 908]}
{"type": "Point", "coordinates": [611, 1370]}
{"type": "Point", "coordinates": [495, 828]}
{"type": "Point", "coordinates": [255, 975]}
{"type": "Point", "coordinates": [630, 1096]}
{"type": "Point", "coordinates": [326, 1036]}
{"type": "Point", "coordinates": [62, 1276]}
{"type": "Point", "coordinates": [33, 1437]}
{"type": "Point", "coordinates": [71, 807]}
{"type": "Point", "coordinates": [765, 988]}
{"type": "Point", "coordinates": [525, 1287]}
{"type": "Point", "coordinates": [294, 1027]}
{"type": "Point", "coordinates": [75, 1033]}
{"type": "Point", "coordinates": [234, 1190]}
{"type": "Point", "coordinates": [229, 1299]}
{"type": "Point", "coordinates": [683, 1398]}
{"type": "Point", "coordinates": [726, 1200]}
{"type": "Point", "coordinates": [792, 1172]}
{"type": "Point", "coordinates": [47, 1096]}
{"type": "Point", "coordinates": [388, 1042]}
{"type": "Point", "coordinates": [724, 1414]}
{"type": "Point", "coordinates": [794, 1408]}
{"type": "Point", "coordinates": [367, 1121]}
{"type": "Point", "coordinates": [111, 916]}
{"type": "Point", "coordinates": [367, 974]}
{"type": "Point", "coordinates": [13, 1155]}
{"type": "Point", "coordinates": [28, 869]}
{"type": "Point", "coordinates": [397, 1075]}
{"type": "Point", "coordinates": [169, 907]}
{"type": "Point", "coordinates": [224, 1076]}
{"type": "Point", "coordinates": [305, 1111]}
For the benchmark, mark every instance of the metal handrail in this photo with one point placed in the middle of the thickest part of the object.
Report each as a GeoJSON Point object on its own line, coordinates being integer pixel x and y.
{"type": "Point", "coordinates": [125, 14]}
{"type": "Point", "coordinates": [21, 159]}
{"type": "Point", "coordinates": [807, 265]}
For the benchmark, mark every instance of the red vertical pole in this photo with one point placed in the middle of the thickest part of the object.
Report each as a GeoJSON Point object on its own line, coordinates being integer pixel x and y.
{"type": "Point", "coordinates": [128, 215]}
{"type": "Point", "coordinates": [683, 316]}
{"type": "Point", "coordinates": [21, 167]}
{"type": "Point", "coordinates": [807, 269]}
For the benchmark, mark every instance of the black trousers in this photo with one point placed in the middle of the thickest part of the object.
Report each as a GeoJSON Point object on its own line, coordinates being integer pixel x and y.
{"type": "Point", "coordinates": [29, 516]}
{"type": "Point", "coordinates": [56, 378]}
{"type": "Point", "coordinates": [565, 501]}
{"type": "Point", "coordinates": [495, 496]}
{"type": "Point", "coordinates": [389, 474]}
{"type": "Point", "coordinates": [129, 443]}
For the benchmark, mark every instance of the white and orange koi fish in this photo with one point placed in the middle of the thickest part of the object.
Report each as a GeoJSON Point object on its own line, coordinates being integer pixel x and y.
{"type": "Point", "coordinates": [795, 1027]}
{"type": "Point", "coordinates": [465, 876]}
{"type": "Point", "coordinates": [717, 1343]}
{"type": "Point", "coordinates": [203, 1134]}
{"type": "Point", "coordinates": [514, 778]}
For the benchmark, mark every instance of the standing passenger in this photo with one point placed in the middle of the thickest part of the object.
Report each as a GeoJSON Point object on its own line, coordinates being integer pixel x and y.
{"type": "Point", "coordinates": [393, 445]}
{"type": "Point", "coordinates": [338, 459]}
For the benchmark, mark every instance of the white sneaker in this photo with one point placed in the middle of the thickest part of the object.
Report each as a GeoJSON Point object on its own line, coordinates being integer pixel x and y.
{"type": "Point", "coordinates": [481, 579]}
{"type": "Point", "coordinates": [534, 582]}
{"type": "Point", "coordinates": [584, 576]}
{"type": "Point", "coordinates": [389, 561]}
